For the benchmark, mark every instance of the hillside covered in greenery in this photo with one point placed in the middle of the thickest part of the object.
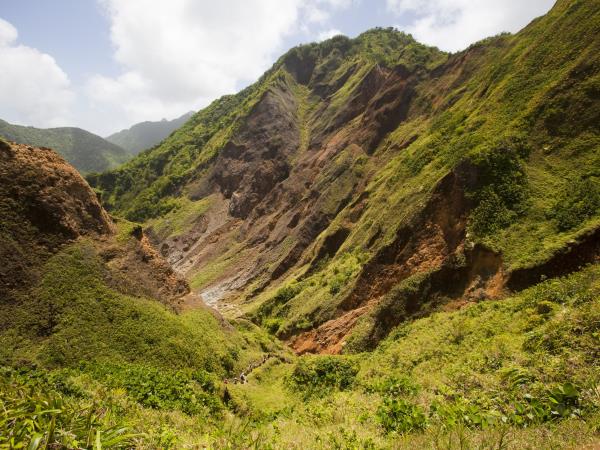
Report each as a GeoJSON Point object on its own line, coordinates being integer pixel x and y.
{"type": "Point", "coordinates": [86, 151]}
{"type": "Point", "coordinates": [355, 167]}
{"type": "Point", "coordinates": [377, 245]}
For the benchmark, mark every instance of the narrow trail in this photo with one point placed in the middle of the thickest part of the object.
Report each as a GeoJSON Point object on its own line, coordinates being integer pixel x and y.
{"type": "Point", "coordinates": [243, 377]}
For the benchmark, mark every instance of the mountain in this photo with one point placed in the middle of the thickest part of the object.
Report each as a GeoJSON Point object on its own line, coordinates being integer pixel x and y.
{"type": "Point", "coordinates": [357, 167]}
{"type": "Point", "coordinates": [422, 216]}
{"type": "Point", "coordinates": [84, 150]}
{"type": "Point", "coordinates": [401, 247]}
{"type": "Point", "coordinates": [82, 292]}
{"type": "Point", "coordinates": [145, 135]}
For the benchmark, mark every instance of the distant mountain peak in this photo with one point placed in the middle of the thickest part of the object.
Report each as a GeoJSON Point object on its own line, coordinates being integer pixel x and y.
{"type": "Point", "coordinates": [86, 151]}
{"type": "Point", "coordinates": [147, 134]}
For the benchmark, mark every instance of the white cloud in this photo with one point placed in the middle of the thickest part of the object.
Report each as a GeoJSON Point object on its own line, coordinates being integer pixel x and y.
{"type": "Point", "coordinates": [328, 34]}
{"type": "Point", "coordinates": [34, 90]}
{"type": "Point", "coordinates": [454, 24]}
{"type": "Point", "coordinates": [316, 14]}
{"type": "Point", "coordinates": [320, 11]}
{"type": "Point", "coordinates": [8, 33]}
{"type": "Point", "coordinates": [181, 54]}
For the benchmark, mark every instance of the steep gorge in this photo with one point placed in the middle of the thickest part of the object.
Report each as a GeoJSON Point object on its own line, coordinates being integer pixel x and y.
{"type": "Point", "coordinates": [356, 166]}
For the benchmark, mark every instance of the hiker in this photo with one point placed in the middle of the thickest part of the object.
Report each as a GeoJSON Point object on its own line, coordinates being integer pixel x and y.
{"type": "Point", "coordinates": [226, 396]}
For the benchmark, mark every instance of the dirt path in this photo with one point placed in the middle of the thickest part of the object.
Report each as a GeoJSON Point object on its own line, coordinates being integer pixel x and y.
{"type": "Point", "coordinates": [243, 377]}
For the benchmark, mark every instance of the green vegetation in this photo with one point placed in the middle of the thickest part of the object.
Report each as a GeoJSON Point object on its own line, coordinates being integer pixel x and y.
{"type": "Point", "coordinates": [501, 197]}
{"type": "Point", "coordinates": [516, 373]}
{"type": "Point", "coordinates": [74, 316]}
{"type": "Point", "coordinates": [320, 376]}
{"type": "Point", "coordinates": [497, 152]}
{"type": "Point", "coordinates": [302, 304]}
{"type": "Point", "coordinates": [579, 202]}
{"type": "Point", "coordinates": [82, 363]}
{"type": "Point", "coordinates": [144, 135]}
{"type": "Point", "coordinates": [35, 413]}
{"type": "Point", "coordinates": [520, 370]}
{"type": "Point", "coordinates": [84, 150]}
{"type": "Point", "coordinates": [181, 218]}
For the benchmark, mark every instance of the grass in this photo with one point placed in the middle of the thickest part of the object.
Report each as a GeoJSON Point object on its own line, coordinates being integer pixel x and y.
{"type": "Point", "coordinates": [181, 218]}
{"type": "Point", "coordinates": [301, 304]}
{"type": "Point", "coordinates": [515, 373]}
{"type": "Point", "coordinates": [73, 316]}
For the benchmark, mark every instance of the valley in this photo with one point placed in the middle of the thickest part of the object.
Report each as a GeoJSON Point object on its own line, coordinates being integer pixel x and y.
{"type": "Point", "coordinates": [378, 244]}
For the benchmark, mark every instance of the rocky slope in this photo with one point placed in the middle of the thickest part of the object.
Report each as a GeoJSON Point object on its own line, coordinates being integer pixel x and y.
{"type": "Point", "coordinates": [77, 285]}
{"type": "Point", "coordinates": [86, 151]}
{"type": "Point", "coordinates": [45, 204]}
{"type": "Point", "coordinates": [48, 210]}
{"type": "Point", "coordinates": [362, 182]}
{"type": "Point", "coordinates": [145, 135]}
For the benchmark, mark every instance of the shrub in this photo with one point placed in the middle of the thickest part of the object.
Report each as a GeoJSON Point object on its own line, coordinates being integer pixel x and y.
{"type": "Point", "coordinates": [580, 201]}
{"type": "Point", "coordinates": [502, 191]}
{"type": "Point", "coordinates": [281, 297]}
{"type": "Point", "coordinates": [461, 412]}
{"type": "Point", "coordinates": [272, 325]}
{"type": "Point", "coordinates": [395, 387]}
{"type": "Point", "coordinates": [34, 416]}
{"type": "Point", "coordinates": [400, 416]}
{"type": "Point", "coordinates": [322, 375]}
{"type": "Point", "coordinates": [190, 392]}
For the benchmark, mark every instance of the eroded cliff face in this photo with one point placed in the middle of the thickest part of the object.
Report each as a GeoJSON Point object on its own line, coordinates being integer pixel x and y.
{"type": "Point", "coordinates": [295, 162]}
{"type": "Point", "coordinates": [363, 182]}
{"type": "Point", "coordinates": [301, 157]}
{"type": "Point", "coordinates": [47, 205]}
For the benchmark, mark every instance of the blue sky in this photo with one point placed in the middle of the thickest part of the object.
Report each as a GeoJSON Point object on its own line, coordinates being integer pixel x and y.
{"type": "Point", "coordinates": [75, 32]}
{"type": "Point", "coordinates": [107, 64]}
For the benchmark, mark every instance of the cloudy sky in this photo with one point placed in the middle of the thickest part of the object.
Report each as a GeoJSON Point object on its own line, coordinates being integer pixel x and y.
{"type": "Point", "coordinates": [104, 65]}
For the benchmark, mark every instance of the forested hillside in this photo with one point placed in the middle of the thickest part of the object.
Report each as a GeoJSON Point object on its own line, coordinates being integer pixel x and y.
{"type": "Point", "coordinates": [145, 135]}
{"type": "Point", "coordinates": [86, 151]}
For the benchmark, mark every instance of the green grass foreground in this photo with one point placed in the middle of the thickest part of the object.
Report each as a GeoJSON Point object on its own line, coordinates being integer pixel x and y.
{"type": "Point", "coordinates": [515, 373]}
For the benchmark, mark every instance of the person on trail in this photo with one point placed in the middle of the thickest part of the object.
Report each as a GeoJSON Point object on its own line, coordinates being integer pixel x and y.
{"type": "Point", "coordinates": [243, 379]}
{"type": "Point", "coordinates": [226, 396]}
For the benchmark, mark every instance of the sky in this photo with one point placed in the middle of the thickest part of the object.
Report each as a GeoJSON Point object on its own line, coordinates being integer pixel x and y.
{"type": "Point", "coordinates": [104, 65]}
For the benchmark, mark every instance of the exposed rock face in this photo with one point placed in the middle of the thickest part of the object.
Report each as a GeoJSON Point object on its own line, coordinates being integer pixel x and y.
{"type": "Point", "coordinates": [252, 164]}
{"type": "Point", "coordinates": [359, 159]}
{"type": "Point", "coordinates": [291, 167]}
{"type": "Point", "coordinates": [136, 268]}
{"type": "Point", "coordinates": [44, 203]}
{"type": "Point", "coordinates": [52, 195]}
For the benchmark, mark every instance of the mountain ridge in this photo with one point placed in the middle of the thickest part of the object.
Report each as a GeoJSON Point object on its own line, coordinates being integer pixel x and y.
{"type": "Point", "coordinates": [145, 135]}
{"type": "Point", "coordinates": [376, 245]}
{"type": "Point", "coordinates": [84, 150]}
{"type": "Point", "coordinates": [360, 118]}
